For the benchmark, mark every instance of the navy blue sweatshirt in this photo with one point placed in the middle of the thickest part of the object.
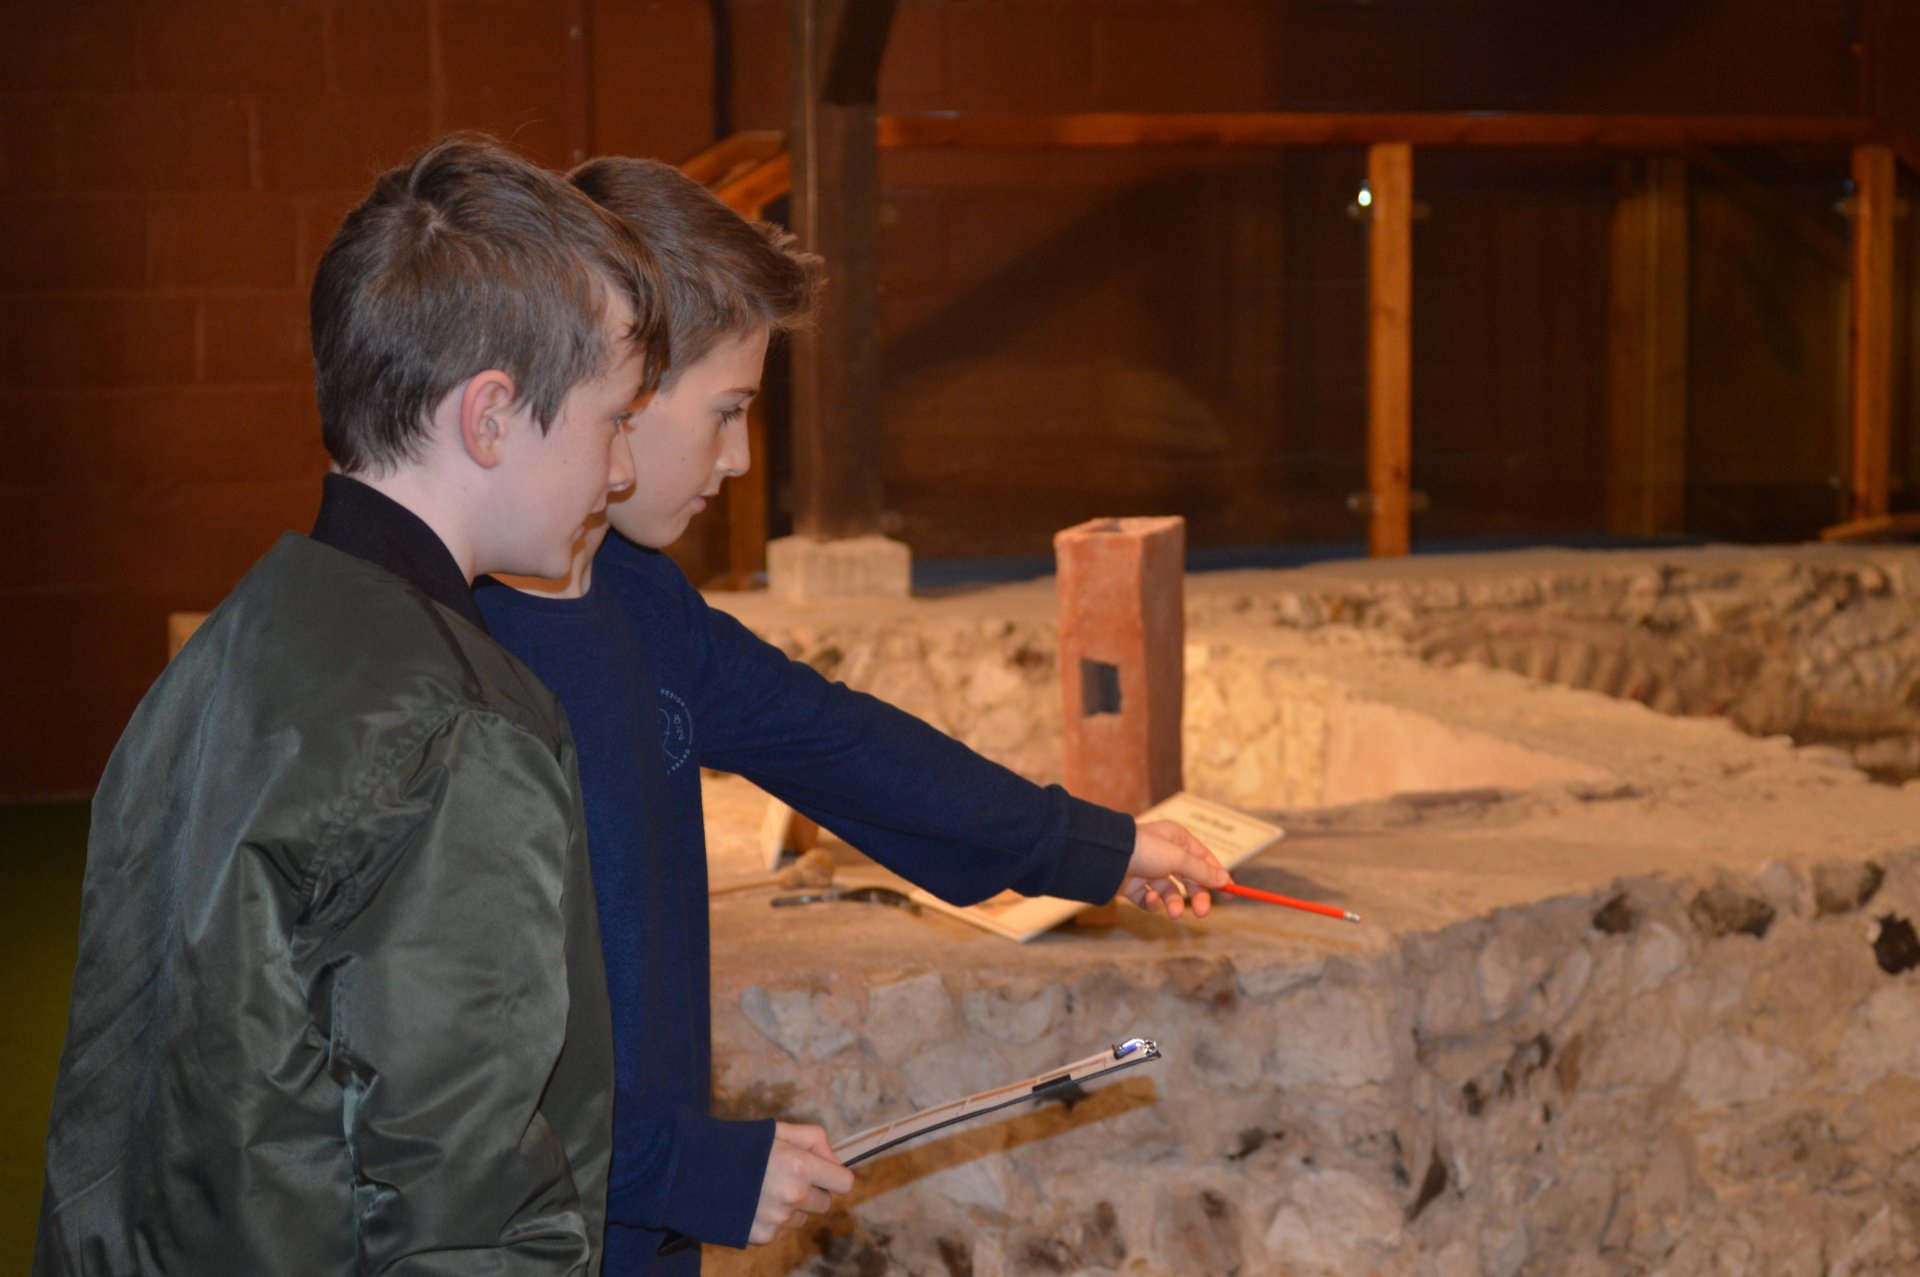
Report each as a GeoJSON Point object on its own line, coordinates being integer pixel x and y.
{"type": "Point", "coordinates": [658, 685]}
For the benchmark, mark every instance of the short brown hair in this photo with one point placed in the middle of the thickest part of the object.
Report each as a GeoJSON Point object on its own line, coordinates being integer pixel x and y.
{"type": "Point", "coordinates": [722, 275]}
{"type": "Point", "coordinates": [467, 259]}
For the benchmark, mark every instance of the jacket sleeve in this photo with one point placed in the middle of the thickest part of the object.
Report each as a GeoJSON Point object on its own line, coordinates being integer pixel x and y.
{"type": "Point", "coordinates": [908, 795]}
{"type": "Point", "coordinates": [443, 995]}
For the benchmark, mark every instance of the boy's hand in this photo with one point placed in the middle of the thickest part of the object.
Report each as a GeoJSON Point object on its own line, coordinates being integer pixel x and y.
{"type": "Point", "coordinates": [1165, 855]}
{"type": "Point", "coordinates": [801, 1172]}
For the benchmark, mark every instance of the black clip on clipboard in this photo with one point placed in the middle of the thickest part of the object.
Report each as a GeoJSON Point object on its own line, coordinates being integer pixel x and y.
{"type": "Point", "coordinates": [878, 1139]}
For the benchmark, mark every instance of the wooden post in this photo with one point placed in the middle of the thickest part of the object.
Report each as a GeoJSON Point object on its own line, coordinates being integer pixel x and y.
{"type": "Point", "coordinates": [1647, 350]}
{"type": "Point", "coordinates": [1870, 362]}
{"type": "Point", "coordinates": [834, 64]}
{"type": "Point", "coordinates": [1390, 348]}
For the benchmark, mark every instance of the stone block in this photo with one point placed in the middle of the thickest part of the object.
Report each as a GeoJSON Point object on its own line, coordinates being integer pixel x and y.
{"type": "Point", "coordinates": [1337, 1036]}
{"type": "Point", "coordinates": [803, 570]}
{"type": "Point", "coordinates": [906, 1014]}
{"type": "Point", "coordinates": [1730, 1069]}
{"type": "Point", "coordinates": [1013, 1015]}
{"type": "Point", "coordinates": [1516, 959]}
{"type": "Point", "coordinates": [1333, 1222]}
{"type": "Point", "coordinates": [1122, 644]}
{"type": "Point", "coordinates": [801, 1022]}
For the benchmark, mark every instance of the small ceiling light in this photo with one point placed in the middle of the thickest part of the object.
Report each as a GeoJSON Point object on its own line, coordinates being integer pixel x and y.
{"type": "Point", "coordinates": [1360, 207]}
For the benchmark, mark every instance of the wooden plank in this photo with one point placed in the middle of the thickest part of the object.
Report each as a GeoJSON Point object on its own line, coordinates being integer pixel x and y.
{"type": "Point", "coordinates": [1390, 348]}
{"type": "Point", "coordinates": [1647, 351]}
{"type": "Point", "coordinates": [836, 201]}
{"type": "Point", "coordinates": [1628, 132]}
{"type": "Point", "coordinates": [1870, 356]}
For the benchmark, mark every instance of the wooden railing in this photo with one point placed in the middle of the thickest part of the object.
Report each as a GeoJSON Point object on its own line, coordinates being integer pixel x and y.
{"type": "Point", "coordinates": [1648, 438]}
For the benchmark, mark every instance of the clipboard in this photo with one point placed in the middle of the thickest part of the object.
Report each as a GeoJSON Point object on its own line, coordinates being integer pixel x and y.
{"type": "Point", "coordinates": [878, 1139]}
{"type": "Point", "coordinates": [861, 1145]}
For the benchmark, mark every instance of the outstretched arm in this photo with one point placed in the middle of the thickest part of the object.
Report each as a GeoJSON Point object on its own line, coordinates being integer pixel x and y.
{"type": "Point", "coordinates": [916, 800]}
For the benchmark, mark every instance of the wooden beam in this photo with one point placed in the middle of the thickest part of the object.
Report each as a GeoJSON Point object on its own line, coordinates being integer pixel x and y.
{"type": "Point", "coordinates": [1626, 132]}
{"type": "Point", "coordinates": [1812, 230]}
{"type": "Point", "coordinates": [1881, 527]}
{"type": "Point", "coordinates": [836, 202]}
{"type": "Point", "coordinates": [1647, 350]}
{"type": "Point", "coordinates": [851, 76]}
{"type": "Point", "coordinates": [1870, 357]}
{"type": "Point", "coordinates": [731, 156]}
{"type": "Point", "coordinates": [1390, 348]}
{"type": "Point", "coordinates": [749, 191]}
{"type": "Point", "coordinates": [1905, 146]}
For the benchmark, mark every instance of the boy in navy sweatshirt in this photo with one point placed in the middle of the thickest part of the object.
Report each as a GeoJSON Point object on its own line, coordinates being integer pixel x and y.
{"type": "Point", "coordinates": [658, 685]}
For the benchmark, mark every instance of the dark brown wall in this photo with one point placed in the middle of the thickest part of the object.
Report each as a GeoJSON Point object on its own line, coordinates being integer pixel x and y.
{"type": "Point", "coordinates": [169, 172]}
{"type": "Point", "coordinates": [1067, 334]}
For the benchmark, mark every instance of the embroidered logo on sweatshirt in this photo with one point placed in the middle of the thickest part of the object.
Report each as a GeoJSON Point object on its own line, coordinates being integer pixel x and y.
{"type": "Point", "coordinates": [676, 729]}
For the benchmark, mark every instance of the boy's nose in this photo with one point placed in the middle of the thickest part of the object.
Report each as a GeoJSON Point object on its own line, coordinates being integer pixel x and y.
{"type": "Point", "coordinates": [619, 463]}
{"type": "Point", "coordinates": [736, 457]}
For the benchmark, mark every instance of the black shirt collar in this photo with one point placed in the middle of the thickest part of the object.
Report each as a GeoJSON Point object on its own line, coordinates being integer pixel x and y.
{"type": "Point", "coordinates": [358, 520]}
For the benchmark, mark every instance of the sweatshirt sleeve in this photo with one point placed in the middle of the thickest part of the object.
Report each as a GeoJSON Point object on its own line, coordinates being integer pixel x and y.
{"type": "Point", "coordinates": [908, 795]}
{"type": "Point", "coordinates": [691, 1173]}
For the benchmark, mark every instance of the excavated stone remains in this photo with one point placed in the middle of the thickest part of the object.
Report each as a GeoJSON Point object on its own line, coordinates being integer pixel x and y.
{"type": "Point", "coordinates": [1635, 994]}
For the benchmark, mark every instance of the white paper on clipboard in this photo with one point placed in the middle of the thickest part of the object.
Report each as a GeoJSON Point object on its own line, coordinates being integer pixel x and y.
{"type": "Point", "coordinates": [877, 1139]}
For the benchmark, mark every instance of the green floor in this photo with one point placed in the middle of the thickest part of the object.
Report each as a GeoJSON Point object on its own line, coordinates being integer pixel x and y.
{"type": "Point", "coordinates": [42, 852]}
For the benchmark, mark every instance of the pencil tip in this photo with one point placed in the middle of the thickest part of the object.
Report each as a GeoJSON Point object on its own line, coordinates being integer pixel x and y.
{"type": "Point", "coordinates": [1352, 916]}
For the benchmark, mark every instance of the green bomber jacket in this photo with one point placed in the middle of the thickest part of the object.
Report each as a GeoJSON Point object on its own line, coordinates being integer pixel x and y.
{"type": "Point", "coordinates": [339, 1005]}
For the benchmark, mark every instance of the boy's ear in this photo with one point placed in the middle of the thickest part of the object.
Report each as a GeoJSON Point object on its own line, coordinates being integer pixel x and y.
{"type": "Point", "coordinates": [486, 402]}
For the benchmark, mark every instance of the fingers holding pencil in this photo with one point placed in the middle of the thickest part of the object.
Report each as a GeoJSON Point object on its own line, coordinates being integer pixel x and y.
{"type": "Point", "coordinates": [1171, 870]}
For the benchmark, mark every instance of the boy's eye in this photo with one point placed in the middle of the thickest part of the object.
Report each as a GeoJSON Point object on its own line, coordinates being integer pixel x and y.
{"type": "Point", "coordinates": [732, 415]}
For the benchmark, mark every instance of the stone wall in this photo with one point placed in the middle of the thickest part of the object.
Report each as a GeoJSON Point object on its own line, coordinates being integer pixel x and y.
{"type": "Point", "coordinates": [1820, 643]}
{"type": "Point", "coordinates": [1635, 996]}
{"type": "Point", "coordinates": [1261, 729]}
{"type": "Point", "coordinates": [1653, 1079]}
{"type": "Point", "coordinates": [1817, 643]}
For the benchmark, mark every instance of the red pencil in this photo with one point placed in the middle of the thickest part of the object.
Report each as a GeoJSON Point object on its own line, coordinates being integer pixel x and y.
{"type": "Point", "coordinates": [1330, 911]}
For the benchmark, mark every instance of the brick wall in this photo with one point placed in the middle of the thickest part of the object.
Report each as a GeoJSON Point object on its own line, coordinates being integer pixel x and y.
{"type": "Point", "coordinates": [170, 171]}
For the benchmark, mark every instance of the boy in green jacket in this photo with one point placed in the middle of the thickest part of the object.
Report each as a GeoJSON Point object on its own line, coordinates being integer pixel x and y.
{"type": "Point", "coordinates": [339, 1005]}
